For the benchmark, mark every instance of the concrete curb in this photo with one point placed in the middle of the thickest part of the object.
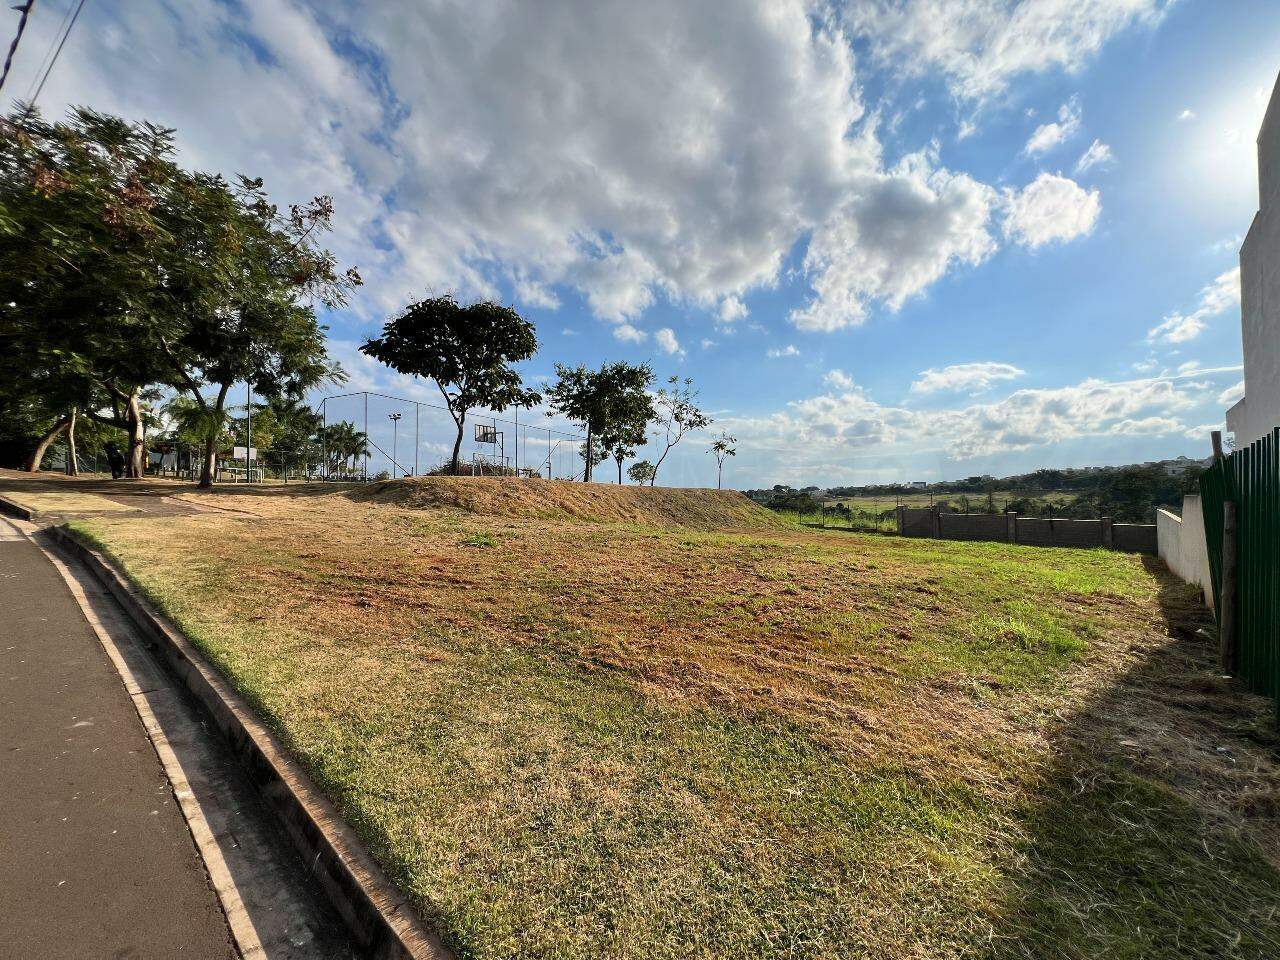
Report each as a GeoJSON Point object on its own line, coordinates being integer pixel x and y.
{"type": "Point", "coordinates": [378, 916]}
{"type": "Point", "coordinates": [7, 506]}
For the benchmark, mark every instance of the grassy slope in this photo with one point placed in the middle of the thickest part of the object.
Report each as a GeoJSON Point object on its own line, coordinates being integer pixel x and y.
{"type": "Point", "coordinates": [637, 741]}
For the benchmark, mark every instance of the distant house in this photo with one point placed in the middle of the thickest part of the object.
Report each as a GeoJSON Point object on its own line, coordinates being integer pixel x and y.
{"type": "Point", "coordinates": [918, 484]}
{"type": "Point", "coordinates": [1258, 411]}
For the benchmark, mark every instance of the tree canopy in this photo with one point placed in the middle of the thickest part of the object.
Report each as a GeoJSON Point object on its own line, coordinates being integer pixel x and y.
{"type": "Point", "coordinates": [466, 350]}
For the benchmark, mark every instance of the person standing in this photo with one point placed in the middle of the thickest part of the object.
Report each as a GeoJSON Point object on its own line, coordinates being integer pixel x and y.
{"type": "Point", "coordinates": [116, 459]}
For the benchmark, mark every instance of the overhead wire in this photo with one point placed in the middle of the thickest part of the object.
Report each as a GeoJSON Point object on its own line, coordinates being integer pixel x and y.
{"type": "Point", "coordinates": [53, 42]}
{"type": "Point", "coordinates": [56, 53]}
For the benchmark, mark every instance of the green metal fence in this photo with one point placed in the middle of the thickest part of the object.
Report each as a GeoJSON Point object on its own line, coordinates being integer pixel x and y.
{"type": "Point", "coordinates": [1251, 477]}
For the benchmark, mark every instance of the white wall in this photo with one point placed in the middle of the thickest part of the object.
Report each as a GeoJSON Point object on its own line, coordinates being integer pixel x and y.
{"type": "Point", "coordinates": [1259, 411]}
{"type": "Point", "coordinates": [1182, 544]}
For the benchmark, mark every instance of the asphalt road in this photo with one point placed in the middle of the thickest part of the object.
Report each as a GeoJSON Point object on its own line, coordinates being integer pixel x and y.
{"type": "Point", "coordinates": [95, 857]}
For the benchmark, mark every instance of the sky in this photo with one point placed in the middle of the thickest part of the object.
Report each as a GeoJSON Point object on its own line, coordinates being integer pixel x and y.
{"type": "Point", "coordinates": [889, 240]}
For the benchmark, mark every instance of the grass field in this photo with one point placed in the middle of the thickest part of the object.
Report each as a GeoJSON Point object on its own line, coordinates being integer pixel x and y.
{"type": "Point", "coordinates": [571, 725]}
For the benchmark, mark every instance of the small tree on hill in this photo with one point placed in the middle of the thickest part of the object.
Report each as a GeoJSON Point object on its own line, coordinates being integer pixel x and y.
{"type": "Point", "coordinates": [723, 446]}
{"type": "Point", "coordinates": [467, 351]}
{"type": "Point", "coordinates": [640, 472]}
{"type": "Point", "coordinates": [677, 414]}
{"type": "Point", "coordinates": [612, 404]}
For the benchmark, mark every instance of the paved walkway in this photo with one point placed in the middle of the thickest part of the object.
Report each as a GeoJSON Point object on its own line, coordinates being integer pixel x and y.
{"type": "Point", "coordinates": [95, 857]}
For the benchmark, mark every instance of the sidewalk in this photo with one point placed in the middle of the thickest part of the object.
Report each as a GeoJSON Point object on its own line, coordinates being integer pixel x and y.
{"type": "Point", "coordinates": [95, 857]}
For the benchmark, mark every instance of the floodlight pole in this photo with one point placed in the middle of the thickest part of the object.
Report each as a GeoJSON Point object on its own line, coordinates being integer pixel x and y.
{"type": "Point", "coordinates": [395, 440]}
{"type": "Point", "coordinates": [517, 456]}
{"type": "Point", "coordinates": [415, 437]}
{"type": "Point", "coordinates": [324, 427]}
{"type": "Point", "coordinates": [365, 474]}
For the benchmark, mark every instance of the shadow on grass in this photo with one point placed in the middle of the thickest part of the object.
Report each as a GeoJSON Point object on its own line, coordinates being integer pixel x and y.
{"type": "Point", "coordinates": [1155, 834]}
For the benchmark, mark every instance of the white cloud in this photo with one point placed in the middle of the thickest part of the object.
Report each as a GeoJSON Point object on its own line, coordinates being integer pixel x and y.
{"type": "Point", "coordinates": [629, 334]}
{"type": "Point", "coordinates": [667, 342]}
{"type": "Point", "coordinates": [788, 351]}
{"type": "Point", "coordinates": [892, 240]}
{"type": "Point", "coordinates": [849, 418]}
{"type": "Point", "coordinates": [974, 377]}
{"type": "Point", "coordinates": [621, 152]}
{"type": "Point", "coordinates": [1051, 208]}
{"type": "Point", "coordinates": [707, 343]}
{"type": "Point", "coordinates": [1232, 395]}
{"type": "Point", "coordinates": [731, 309]}
{"type": "Point", "coordinates": [1049, 135]}
{"type": "Point", "coordinates": [1098, 155]}
{"type": "Point", "coordinates": [1215, 299]}
{"type": "Point", "coordinates": [839, 379]}
{"type": "Point", "coordinates": [981, 45]}
{"type": "Point", "coordinates": [1187, 114]}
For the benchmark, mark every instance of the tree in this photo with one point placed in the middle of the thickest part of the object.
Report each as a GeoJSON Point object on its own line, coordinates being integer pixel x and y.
{"type": "Point", "coordinates": [677, 414]}
{"type": "Point", "coordinates": [723, 446]}
{"type": "Point", "coordinates": [611, 403]}
{"type": "Point", "coordinates": [467, 351]}
{"type": "Point", "coordinates": [641, 472]}
{"type": "Point", "coordinates": [244, 286]}
{"type": "Point", "coordinates": [82, 259]}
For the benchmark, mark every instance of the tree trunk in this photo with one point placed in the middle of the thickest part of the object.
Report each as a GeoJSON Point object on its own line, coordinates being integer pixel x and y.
{"type": "Point", "coordinates": [619, 459]}
{"type": "Point", "coordinates": [42, 446]}
{"type": "Point", "coordinates": [73, 460]}
{"type": "Point", "coordinates": [137, 449]}
{"type": "Point", "coordinates": [209, 463]}
{"type": "Point", "coordinates": [457, 442]}
{"type": "Point", "coordinates": [586, 474]}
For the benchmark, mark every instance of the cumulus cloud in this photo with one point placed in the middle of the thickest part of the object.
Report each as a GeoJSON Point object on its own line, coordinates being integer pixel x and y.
{"type": "Point", "coordinates": [629, 334]}
{"type": "Point", "coordinates": [898, 235]}
{"type": "Point", "coordinates": [1187, 114]}
{"type": "Point", "coordinates": [667, 342]}
{"type": "Point", "coordinates": [788, 351]}
{"type": "Point", "coordinates": [981, 45]}
{"type": "Point", "coordinates": [573, 147]}
{"type": "Point", "coordinates": [1051, 208]}
{"type": "Point", "coordinates": [1049, 135]}
{"type": "Point", "coordinates": [838, 379]}
{"type": "Point", "coordinates": [1214, 299]}
{"type": "Point", "coordinates": [974, 377]}
{"type": "Point", "coordinates": [1232, 395]}
{"type": "Point", "coordinates": [1098, 155]}
{"type": "Point", "coordinates": [848, 417]}
{"type": "Point", "coordinates": [731, 309]}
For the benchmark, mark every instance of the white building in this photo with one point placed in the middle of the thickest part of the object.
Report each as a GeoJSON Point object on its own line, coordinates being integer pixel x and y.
{"type": "Point", "coordinates": [1259, 410]}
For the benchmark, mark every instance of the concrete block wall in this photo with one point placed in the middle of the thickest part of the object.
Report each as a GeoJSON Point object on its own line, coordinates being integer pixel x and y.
{"type": "Point", "coordinates": [1032, 531]}
{"type": "Point", "coordinates": [1182, 546]}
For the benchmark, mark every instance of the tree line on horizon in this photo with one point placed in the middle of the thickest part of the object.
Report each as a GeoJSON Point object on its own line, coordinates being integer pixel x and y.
{"type": "Point", "coordinates": [131, 287]}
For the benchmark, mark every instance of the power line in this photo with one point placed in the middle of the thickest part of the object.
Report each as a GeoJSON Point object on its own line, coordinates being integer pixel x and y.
{"type": "Point", "coordinates": [74, 17]}
{"type": "Point", "coordinates": [53, 42]}
{"type": "Point", "coordinates": [25, 10]}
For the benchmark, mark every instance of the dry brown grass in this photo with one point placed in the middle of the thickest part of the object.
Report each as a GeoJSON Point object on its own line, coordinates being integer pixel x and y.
{"type": "Point", "coordinates": [693, 735]}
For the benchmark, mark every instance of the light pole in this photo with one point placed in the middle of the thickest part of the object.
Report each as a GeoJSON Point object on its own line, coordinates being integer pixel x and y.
{"type": "Point", "coordinates": [395, 437]}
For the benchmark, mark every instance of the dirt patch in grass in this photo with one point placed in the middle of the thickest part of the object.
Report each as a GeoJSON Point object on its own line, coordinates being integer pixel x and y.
{"type": "Point", "coordinates": [73, 502]}
{"type": "Point", "coordinates": [586, 739]}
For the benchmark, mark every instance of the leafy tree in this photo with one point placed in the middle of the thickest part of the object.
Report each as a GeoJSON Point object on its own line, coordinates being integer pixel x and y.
{"type": "Point", "coordinates": [342, 445]}
{"type": "Point", "coordinates": [82, 258]}
{"type": "Point", "coordinates": [466, 350]}
{"type": "Point", "coordinates": [640, 472]}
{"type": "Point", "coordinates": [611, 403]}
{"type": "Point", "coordinates": [244, 285]}
{"type": "Point", "coordinates": [677, 414]}
{"type": "Point", "coordinates": [722, 447]}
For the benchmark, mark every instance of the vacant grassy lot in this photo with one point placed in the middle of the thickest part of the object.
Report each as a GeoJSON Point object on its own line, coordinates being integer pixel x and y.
{"type": "Point", "coordinates": [635, 738]}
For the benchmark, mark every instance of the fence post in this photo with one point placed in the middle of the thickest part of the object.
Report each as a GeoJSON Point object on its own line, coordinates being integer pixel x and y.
{"type": "Point", "coordinates": [1011, 526]}
{"type": "Point", "coordinates": [936, 517]}
{"type": "Point", "coordinates": [1227, 649]}
{"type": "Point", "coordinates": [1108, 533]}
{"type": "Point", "coordinates": [901, 511]}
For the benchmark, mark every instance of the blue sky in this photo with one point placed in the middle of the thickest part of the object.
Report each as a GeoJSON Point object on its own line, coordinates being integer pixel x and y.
{"type": "Point", "coordinates": [888, 240]}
